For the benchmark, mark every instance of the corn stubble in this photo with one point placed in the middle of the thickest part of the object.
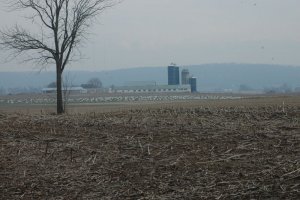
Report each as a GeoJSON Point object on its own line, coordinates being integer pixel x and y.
{"type": "Point", "coordinates": [158, 153]}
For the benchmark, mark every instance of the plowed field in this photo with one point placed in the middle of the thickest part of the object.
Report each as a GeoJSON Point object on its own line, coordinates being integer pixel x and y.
{"type": "Point", "coordinates": [229, 151]}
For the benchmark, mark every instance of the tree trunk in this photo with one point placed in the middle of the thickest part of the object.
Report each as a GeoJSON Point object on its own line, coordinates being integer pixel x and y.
{"type": "Point", "coordinates": [60, 107]}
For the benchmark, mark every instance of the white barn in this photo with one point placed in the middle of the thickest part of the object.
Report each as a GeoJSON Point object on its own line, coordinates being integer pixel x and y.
{"type": "Point", "coordinates": [73, 90]}
{"type": "Point", "coordinates": [153, 89]}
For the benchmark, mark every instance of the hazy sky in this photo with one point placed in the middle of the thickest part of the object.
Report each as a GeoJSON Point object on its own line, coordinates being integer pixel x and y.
{"type": "Point", "coordinates": [139, 33]}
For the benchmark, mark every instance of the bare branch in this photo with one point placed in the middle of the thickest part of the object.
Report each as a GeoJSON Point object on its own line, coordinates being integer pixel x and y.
{"type": "Point", "coordinates": [19, 40]}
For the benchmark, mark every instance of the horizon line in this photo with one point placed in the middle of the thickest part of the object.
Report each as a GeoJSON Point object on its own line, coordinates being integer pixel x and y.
{"type": "Point", "coordinates": [36, 70]}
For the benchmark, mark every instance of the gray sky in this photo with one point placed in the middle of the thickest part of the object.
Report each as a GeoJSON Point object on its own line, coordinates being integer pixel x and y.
{"type": "Point", "coordinates": [139, 33]}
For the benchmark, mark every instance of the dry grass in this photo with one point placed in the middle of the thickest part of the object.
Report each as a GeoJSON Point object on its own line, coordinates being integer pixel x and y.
{"type": "Point", "coordinates": [232, 151]}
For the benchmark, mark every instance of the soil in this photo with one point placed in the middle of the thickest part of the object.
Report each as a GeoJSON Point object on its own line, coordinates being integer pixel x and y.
{"type": "Point", "coordinates": [231, 151]}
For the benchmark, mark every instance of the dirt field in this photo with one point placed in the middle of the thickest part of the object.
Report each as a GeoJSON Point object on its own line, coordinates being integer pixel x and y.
{"type": "Point", "coordinates": [230, 149]}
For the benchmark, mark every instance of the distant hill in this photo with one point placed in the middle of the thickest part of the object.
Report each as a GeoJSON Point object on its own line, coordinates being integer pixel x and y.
{"type": "Point", "coordinates": [211, 77]}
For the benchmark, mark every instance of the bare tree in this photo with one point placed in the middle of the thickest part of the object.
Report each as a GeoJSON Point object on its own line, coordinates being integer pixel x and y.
{"type": "Point", "coordinates": [93, 83]}
{"type": "Point", "coordinates": [63, 25]}
{"type": "Point", "coordinates": [52, 85]}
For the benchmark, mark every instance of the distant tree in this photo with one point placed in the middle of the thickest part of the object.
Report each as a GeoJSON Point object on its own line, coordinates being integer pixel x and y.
{"type": "Point", "coordinates": [52, 85]}
{"type": "Point", "coordinates": [269, 90]}
{"type": "Point", "coordinates": [93, 83]}
{"type": "Point", "coordinates": [244, 87]}
{"type": "Point", "coordinates": [63, 26]}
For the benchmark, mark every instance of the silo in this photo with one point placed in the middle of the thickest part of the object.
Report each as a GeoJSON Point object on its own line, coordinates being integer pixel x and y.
{"type": "Point", "coordinates": [173, 75]}
{"type": "Point", "coordinates": [185, 75]}
{"type": "Point", "coordinates": [193, 83]}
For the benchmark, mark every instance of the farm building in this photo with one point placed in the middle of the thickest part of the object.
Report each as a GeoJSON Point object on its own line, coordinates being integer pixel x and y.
{"type": "Point", "coordinates": [72, 90]}
{"type": "Point", "coordinates": [153, 89]}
